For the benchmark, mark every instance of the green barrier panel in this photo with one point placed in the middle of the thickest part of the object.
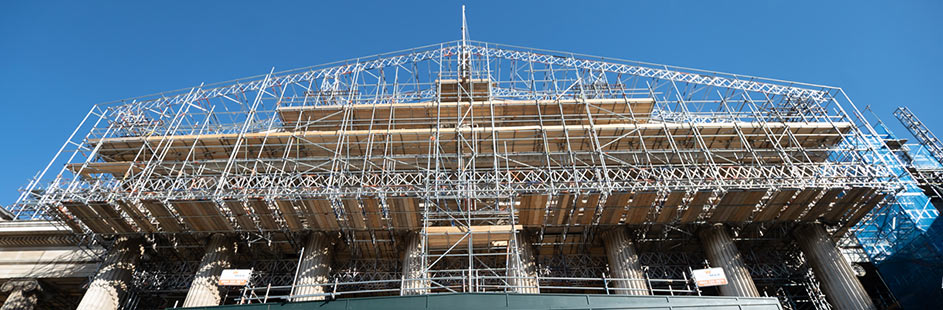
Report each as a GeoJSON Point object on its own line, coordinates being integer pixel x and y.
{"type": "Point", "coordinates": [469, 301]}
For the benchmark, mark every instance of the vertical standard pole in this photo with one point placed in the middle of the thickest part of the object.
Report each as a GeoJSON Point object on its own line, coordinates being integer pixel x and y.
{"type": "Point", "coordinates": [267, 289]}
{"type": "Point", "coordinates": [605, 284]}
{"type": "Point", "coordinates": [294, 280]}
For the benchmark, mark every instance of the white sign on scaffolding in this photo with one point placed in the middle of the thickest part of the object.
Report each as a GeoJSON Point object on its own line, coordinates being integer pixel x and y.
{"type": "Point", "coordinates": [709, 277]}
{"type": "Point", "coordinates": [235, 277]}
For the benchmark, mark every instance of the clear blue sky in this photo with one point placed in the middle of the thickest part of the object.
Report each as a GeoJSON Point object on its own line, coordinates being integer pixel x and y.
{"type": "Point", "coordinates": [57, 59]}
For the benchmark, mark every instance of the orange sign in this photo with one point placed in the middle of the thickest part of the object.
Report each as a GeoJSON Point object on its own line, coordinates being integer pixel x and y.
{"type": "Point", "coordinates": [235, 277]}
{"type": "Point", "coordinates": [709, 277]}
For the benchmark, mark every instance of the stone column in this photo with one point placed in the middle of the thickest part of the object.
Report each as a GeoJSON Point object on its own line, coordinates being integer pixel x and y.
{"type": "Point", "coordinates": [22, 294]}
{"type": "Point", "coordinates": [315, 267]}
{"type": "Point", "coordinates": [624, 263]}
{"type": "Point", "coordinates": [523, 270]}
{"type": "Point", "coordinates": [721, 252]}
{"type": "Point", "coordinates": [413, 267]}
{"type": "Point", "coordinates": [111, 282]}
{"type": "Point", "coordinates": [838, 280]}
{"type": "Point", "coordinates": [204, 290]}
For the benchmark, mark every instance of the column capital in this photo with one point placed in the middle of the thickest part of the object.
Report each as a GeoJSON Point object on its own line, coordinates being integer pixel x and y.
{"type": "Point", "coordinates": [610, 232]}
{"type": "Point", "coordinates": [713, 227]}
{"type": "Point", "coordinates": [23, 285]}
{"type": "Point", "coordinates": [111, 280]}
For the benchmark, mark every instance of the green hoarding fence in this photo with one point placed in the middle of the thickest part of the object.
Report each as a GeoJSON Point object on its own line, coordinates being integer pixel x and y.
{"type": "Point", "coordinates": [469, 301]}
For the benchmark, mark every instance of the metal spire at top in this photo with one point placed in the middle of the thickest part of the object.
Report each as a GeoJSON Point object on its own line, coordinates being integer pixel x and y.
{"type": "Point", "coordinates": [464, 27]}
{"type": "Point", "coordinates": [464, 66]}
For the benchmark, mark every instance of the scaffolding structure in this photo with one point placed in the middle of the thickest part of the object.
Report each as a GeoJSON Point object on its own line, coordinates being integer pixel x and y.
{"type": "Point", "coordinates": [400, 125]}
{"type": "Point", "coordinates": [480, 155]}
{"type": "Point", "coordinates": [903, 237]}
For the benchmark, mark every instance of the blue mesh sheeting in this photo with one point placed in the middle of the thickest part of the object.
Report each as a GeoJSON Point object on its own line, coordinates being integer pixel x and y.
{"type": "Point", "coordinates": [903, 237]}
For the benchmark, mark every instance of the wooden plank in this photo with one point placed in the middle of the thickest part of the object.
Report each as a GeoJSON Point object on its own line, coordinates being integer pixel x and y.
{"type": "Point", "coordinates": [202, 215]}
{"type": "Point", "coordinates": [727, 203]}
{"type": "Point", "coordinates": [112, 217]}
{"type": "Point", "coordinates": [371, 207]}
{"type": "Point", "coordinates": [68, 219]}
{"type": "Point", "coordinates": [640, 207]}
{"type": "Point", "coordinates": [168, 222]}
{"type": "Point", "coordinates": [862, 210]}
{"type": "Point", "coordinates": [747, 206]}
{"type": "Point", "coordinates": [311, 215]}
{"type": "Point", "coordinates": [539, 207]}
{"type": "Point", "coordinates": [696, 206]}
{"type": "Point", "coordinates": [736, 205]}
{"type": "Point", "coordinates": [586, 206]}
{"type": "Point", "coordinates": [416, 141]}
{"type": "Point", "coordinates": [799, 204]}
{"type": "Point", "coordinates": [265, 214]}
{"type": "Point", "coordinates": [733, 203]}
{"type": "Point", "coordinates": [562, 207]}
{"type": "Point", "coordinates": [139, 218]}
{"type": "Point", "coordinates": [614, 208]}
{"type": "Point", "coordinates": [405, 212]}
{"type": "Point", "coordinates": [851, 198]}
{"type": "Point", "coordinates": [290, 214]}
{"type": "Point", "coordinates": [321, 214]}
{"type": "Point", "coordinates": [240, 211]}
{"type": "Point", "coordinates": [533, 210]}
{"type": "Point", "coordinates": [528, 110]}
{"type": "Point", "coordinates": [772, 208]}
{"type": "Point", "coordinates": [212, 212]}
{"type": "Point", "coordinates": [87, 216]}
{"type": "Point", "coordinates": [354, 213]}
{"type": "Point", "coordinates": [413, 215]}
{"type": "Point", "coordinates": [189, 216]}
{"type": "Point", "coordinates": [822, 205]}
{"type": "Point", "coordinates": [669, 210]}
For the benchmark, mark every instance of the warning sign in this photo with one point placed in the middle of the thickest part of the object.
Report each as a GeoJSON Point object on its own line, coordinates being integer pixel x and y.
{"type": "Point", "coordinates": [235, 277]}
{"type": "Point", "coordinates": [709, 277]}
